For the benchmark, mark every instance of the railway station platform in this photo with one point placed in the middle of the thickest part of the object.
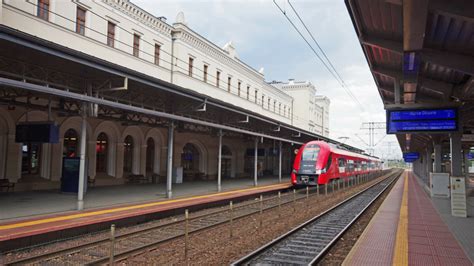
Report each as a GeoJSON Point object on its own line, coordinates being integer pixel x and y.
{"type": "Point", "coordinates": [19, 205]}
{"type": "Point", "coordinates": [411, 229]}
{"type": "Point", "coordinates": [61, 224]}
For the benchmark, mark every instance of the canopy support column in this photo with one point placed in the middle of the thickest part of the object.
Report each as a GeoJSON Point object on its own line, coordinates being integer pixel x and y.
{"type": "Point", "coordinates": [169, 173]}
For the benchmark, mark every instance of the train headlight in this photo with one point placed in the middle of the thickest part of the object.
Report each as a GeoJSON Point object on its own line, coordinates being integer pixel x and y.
{"type": "Point", "coordinates": [318, 171]}
{"type": "Point", "coordinates": [294, 171]}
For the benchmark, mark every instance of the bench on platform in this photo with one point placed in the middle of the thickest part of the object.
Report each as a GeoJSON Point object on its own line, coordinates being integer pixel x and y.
{"type": "Point", "coordinates": [138, 179]}
{"type": "Point", "coordinates": [5, 183]}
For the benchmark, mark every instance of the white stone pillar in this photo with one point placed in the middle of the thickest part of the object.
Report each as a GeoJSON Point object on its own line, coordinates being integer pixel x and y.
{"type": "Point", "coordinates": [279, 161]}
{"type": "Point", "coordinates": [45, 161]}
{"type": "Point", "coordinates": [219, 162]}
{"type": "Point", "coordinates": [3, 155]}
{"type": "Point", "coordinates": [57, 160]}
{"type": "Point", "coordinates": [143, 160]}
{"type": "Point", "coordinates": [136, 163]}
{"type": "Point", "coordinates": [92, 157]}
{"type": "Point", "coordinates": [120, 148]}
{"type": "Point", "coordinates": [255, 174]}
{"type": "Point", "coordinates": [1, 12]}
{"type": "Point", "coordinates": [14, 157]}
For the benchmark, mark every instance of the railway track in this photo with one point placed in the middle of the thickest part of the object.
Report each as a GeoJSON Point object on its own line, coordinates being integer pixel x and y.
{"type": "Point", "coordinates": [307, 244]}
{"type": "Point", "coordinates": [142, 239]}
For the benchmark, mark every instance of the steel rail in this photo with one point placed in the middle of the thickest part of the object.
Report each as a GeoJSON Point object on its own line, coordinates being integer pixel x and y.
{"type": "Point", "coordinates": [255, 254]}
{"type": "Point", "coordinates": [285, 199]}
{"type": "Point", "coordinates": [78, 248]}
{"type": "Point", "coordinates": [143, 248]}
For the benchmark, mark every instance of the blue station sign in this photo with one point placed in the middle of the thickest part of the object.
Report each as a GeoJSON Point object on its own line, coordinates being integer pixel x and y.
{"type": "Point", "coordinates": [422, 120]}
{"type": "Point", "coordinates": [410, 157]}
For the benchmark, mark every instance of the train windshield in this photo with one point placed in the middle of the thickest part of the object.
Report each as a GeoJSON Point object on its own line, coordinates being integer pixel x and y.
{"type": "Point", "coordinates": [310, 152]}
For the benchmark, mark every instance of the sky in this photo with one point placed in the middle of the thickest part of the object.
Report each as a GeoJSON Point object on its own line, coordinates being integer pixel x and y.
{"type": "Point", "coordinates": [264, 38]}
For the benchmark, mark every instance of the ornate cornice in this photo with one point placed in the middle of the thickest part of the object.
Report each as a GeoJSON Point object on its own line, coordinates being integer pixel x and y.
{"type": "Point", "coordinates": [140, 15]}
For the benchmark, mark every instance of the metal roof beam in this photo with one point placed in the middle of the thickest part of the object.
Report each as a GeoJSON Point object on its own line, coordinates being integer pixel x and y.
{"type": "Point", "coordinates": [415, 13]}
{"type": "Point", "coordinates": [444, 88]}
{"type": "Point", "coordinates": [130, 108]}
{"type": "Point", "coordinates": [459, 62]}
{"type": "Point", "coordinates": [439, 86]}
{"type": "Point", "coordinates": [457, 9]}
{"type": "Point", "coordinates": [386, 44]}
{"type": "Point", "coordinates": [391, 73]}
{"type": "Point", "coordinates": [387, 90]}
{"type": "Point", "coordinates": [460, 9]}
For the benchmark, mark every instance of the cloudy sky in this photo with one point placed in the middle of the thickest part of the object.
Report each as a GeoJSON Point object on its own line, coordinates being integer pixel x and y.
{"type": "Point", "coordinates": [264, 38]}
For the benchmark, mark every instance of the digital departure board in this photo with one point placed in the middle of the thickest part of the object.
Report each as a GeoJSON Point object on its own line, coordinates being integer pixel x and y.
{"type": "Point", "coordinates": [422, 120]}
{"type": "Point", "coordinates": [410, 157]}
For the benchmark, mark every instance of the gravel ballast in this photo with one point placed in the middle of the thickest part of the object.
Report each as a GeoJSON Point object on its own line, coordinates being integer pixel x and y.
{"type": "Point", "coordinates": [215, 247]}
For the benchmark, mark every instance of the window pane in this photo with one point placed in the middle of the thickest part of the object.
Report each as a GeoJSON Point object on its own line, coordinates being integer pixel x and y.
{"type": "Point", "coordinates": [81, 21]}
{"type": "Point", "coordinates": [136, 44]}
{"type": "Point", "coordinates": [110, 34]}
{"type": "Point", "coordinates": [310, 152]}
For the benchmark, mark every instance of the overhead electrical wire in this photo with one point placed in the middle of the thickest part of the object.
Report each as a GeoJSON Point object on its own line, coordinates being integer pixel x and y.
{"type": "Point", "coordinates": [322, 51]}
{"type": "Point", "coordinates": [328, 65]}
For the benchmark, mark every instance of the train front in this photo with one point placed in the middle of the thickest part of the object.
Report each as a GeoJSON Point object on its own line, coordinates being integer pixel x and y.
{"type": "Point", "coordinates": [308, 163]}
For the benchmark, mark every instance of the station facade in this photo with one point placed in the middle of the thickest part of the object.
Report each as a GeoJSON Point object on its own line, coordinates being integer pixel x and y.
{"type": "Point", "coordinates": [312, 112]}
{"type": "Point", "coordinates": [129, 85]}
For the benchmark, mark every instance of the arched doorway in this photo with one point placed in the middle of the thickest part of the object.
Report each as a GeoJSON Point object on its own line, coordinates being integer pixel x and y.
{"type": "Point", "coordinates": [150, 155]}
{"type": "Point", "coordinates": [190, 161]}
{"type": "Point", "coordinates": [31, 159]}
{"type": "Point", "coordinates": [226, 162]}
{"type": "Point", "coordinates": [70, 143]}
{"type": "Point", "coordinates": [128, 154]}
{"type": "Point", "coordinates": [101, 153]}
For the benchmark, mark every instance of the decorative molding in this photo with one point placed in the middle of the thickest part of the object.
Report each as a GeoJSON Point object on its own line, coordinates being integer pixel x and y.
{"type": "Point", "coordinates": [140, 15]}
{"type": "Point", "coordinates": [197, 41]}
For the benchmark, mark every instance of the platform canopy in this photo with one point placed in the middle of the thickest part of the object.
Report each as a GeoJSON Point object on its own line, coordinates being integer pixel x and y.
{"type": "Point", "coordinates": [421, 55]}
{"type": "Point", "coordinates": [35, 72]}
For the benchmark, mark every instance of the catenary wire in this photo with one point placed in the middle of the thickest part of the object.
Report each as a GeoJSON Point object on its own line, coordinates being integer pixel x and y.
{"type": "Point", "coordinates": [319, 57]}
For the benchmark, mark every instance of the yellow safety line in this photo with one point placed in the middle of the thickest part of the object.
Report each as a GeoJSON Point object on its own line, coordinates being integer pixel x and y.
{"type": "Point", "coordinates": [400, 254]}
{"type": "Point", "coordinates": [87, 214]}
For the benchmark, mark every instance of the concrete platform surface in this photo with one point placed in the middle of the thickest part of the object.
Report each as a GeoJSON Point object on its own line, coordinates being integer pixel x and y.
{"type": "Point", "coordinates": [19, 205]}
{"type": "Point", "coordinates": [32, 227]}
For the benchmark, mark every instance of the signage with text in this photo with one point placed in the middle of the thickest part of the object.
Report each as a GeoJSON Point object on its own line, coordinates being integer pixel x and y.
{"type": "Point", "coordinates": [422, 120]}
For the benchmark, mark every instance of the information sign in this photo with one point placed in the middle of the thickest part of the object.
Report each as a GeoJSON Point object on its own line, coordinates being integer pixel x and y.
{"type": "Point", "coordinates": [422, 120]}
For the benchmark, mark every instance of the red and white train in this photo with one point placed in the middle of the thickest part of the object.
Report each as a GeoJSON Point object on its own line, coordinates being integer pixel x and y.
{"type": "Point", "coordinates": [317, 163]}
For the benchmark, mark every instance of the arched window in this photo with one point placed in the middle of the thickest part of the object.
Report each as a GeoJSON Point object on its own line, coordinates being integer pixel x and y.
{"type": "Point", "coordinates": [101, 152]}
{"type": "Point", "coordinates": [226, 162]}
{"type": "Point", "coordinates": [128, 154]}
{"type": "Point", "coordinates": [226, 151]}
{"type": "Point", "coordinates": [190, 158]}
{"type": "Point", "coordinates": [70, 143]}
{"type": "Point", "coordinates": [31, 158]}
{"type": "Point", "coordinates": [150, 154]}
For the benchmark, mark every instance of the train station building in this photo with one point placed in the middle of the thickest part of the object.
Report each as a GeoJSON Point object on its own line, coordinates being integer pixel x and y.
{"type": "Point", "coordinates": [137, 100]}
